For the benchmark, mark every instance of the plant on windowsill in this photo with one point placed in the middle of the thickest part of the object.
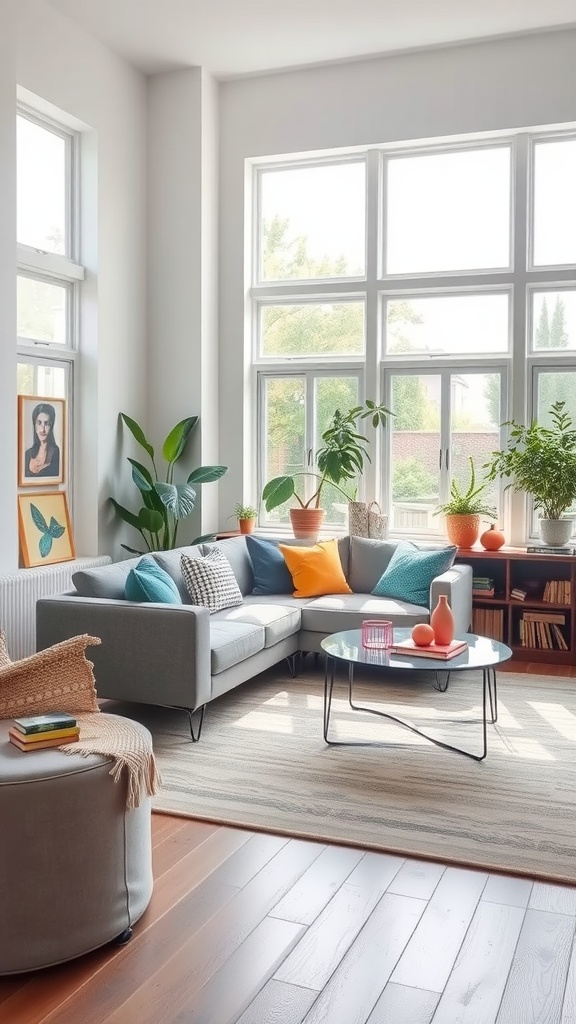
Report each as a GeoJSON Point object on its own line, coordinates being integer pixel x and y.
{"type": "Point", "coordinates": [246, 516]}
{"type": "Point", "coordinates": [541, 461]}
{"type": "Point", "coordinates": [339, 459]}
{"type": "Point", "coordinates": [165, 504]}
{"type": "Point", "coordinates": [464, 511]}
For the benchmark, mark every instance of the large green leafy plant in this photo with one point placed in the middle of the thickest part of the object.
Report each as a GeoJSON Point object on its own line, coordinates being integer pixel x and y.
{"type": "Point", "coordinates": [541, 461]}
{"type": "Point", "coordinates": [340, 459]}
{"type": "Point", "coordinates": [164, 503]}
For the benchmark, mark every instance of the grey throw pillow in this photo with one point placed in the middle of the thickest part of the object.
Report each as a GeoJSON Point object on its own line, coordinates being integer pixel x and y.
{"type": "Point", "coordinates": [210, 580]}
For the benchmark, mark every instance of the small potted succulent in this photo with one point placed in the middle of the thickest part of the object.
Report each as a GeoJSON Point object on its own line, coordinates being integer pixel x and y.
{"type": "Point", "coordinates": [464, 511]}
{"type": "Point", "coordinates": [246, 516]}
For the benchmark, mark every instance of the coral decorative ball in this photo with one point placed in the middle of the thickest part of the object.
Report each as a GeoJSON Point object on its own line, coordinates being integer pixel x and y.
{"type": "Point", "coordinates": [492, 539]}
{"type": "Point", "coordinates": [423, 634]}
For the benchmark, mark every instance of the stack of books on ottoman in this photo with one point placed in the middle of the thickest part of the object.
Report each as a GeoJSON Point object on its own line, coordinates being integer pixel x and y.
{"type": "Point", "coordinates": [40, 731]}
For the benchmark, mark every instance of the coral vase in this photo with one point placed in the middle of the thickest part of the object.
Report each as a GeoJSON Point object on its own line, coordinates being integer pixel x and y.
{"type": "Point", "coordinates": [442, 621]}
{"type": "Point", "coordinates": [492, 539]}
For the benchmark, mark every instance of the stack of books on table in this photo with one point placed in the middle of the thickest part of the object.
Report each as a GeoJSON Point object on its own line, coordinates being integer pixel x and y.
{"type": "Point", "coordinates": [40, 731]}
{"type": "Point", "coordinates": [440, 651]}
{"type": "Point", "coordinates": [482, 586]}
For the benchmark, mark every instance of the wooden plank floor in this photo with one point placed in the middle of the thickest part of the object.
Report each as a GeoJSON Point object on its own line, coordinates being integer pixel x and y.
{"type": "Point", "coordinates": [249, 928]}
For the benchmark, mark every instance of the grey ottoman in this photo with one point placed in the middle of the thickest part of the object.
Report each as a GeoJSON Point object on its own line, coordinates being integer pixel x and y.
{"type": "Point", "coordinates": [75, 865]}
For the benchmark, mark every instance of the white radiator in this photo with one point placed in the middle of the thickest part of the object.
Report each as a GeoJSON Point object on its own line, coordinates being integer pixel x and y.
{"type": "Point", "coordinates": [20, 591]}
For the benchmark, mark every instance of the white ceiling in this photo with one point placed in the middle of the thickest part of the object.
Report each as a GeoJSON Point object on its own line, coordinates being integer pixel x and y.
{"type": "Point", "coordinates": [236, 37]}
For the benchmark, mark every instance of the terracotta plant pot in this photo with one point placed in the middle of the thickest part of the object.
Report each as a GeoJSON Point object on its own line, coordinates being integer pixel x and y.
{"type": "Point", "coordinates": [246, 525]}
{"type": "Point", "coordinates": [463, 530]}
{"type": "Point", "coordinates": [306, 522]}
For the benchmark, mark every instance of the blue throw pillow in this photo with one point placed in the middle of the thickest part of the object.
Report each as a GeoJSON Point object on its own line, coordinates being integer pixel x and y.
{"type": "Point", "coordinates": [410, 572]}
{"type": "Point", "coordinates": [271, 574]}
{"type": "Point", "coordinates": [148, 582]}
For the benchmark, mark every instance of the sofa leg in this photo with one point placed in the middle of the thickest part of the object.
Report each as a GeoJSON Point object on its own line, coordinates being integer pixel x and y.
{"type": "Point", "coordinates": [195, 735]}
{"type": "Point", "coordinates": [294, 664]}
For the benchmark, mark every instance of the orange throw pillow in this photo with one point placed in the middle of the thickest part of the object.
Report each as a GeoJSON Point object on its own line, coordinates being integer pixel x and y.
{"type": "Point", "coordinates": [316, 570]}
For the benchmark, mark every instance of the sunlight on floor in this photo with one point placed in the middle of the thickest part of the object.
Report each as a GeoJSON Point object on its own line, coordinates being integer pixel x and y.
{"type": "Point", "coordinates": [524, 747]}
{"type": "Point", "coordinates": [559, 717]}
{"type": "Point", "coordinates": [266, 721]}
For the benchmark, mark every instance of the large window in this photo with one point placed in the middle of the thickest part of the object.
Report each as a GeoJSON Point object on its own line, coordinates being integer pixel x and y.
{"type": "Point", "coordinates": [48, 269]}
{"type": "Point", "coordinates": [414, 277]}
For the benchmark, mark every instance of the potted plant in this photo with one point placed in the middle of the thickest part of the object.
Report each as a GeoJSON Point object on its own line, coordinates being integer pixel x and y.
{"type": "Point", "coordinates": [339, 459]}
{"type": "Point", "coordinates": [165, 503]}
{"type": "Point", "coordinates": [464, 510]}
{"type": "Point", "coordinates": [542, 462]}
{"type": "Point", "coordinates": [246, 516]}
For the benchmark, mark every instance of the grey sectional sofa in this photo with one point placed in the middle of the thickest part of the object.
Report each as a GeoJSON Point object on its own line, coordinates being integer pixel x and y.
{"type": "Point", "coordinates": [182, 656]}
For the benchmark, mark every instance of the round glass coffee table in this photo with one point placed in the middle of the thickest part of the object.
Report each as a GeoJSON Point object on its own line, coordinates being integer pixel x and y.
{"type": "Point", "coordinates": [482, 654]}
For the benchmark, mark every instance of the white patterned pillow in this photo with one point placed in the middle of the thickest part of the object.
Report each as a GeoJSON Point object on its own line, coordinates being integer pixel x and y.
{"type": "Point", "coordinates": [210, 580]}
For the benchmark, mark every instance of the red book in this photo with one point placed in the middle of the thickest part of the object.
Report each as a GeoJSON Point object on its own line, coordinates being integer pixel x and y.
{"type": "Point", "coordinates": [439, 651]}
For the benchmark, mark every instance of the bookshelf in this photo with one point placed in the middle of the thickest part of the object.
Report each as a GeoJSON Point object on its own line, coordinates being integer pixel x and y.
{"type": "Point", "coordinates": [540, 626]}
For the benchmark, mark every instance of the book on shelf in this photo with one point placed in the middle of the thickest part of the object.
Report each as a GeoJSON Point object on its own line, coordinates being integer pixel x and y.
{"type": "Point", "coordinates": [43, 723]}
{"type": "Point", "coordinates": [558, 617]}
{"type": "Point", "coordinates": [482, 592]}
{"type": "Point", "coordinates": [539, 631]}
{"type": "Point", "coordinates": [543, 549]}
{"type": "Point", "coordinates": [557, 592]}
{"type": "Point", "coordinates": [33, 738]}
{"type": "Point", "coordinates": [518, 593]}
{"type": "Point", "coordinates": [43, 743]}
{"type": "Point", "coordinates": [439, 651]}
{"type": "Point", "coordinates": [488, 622]}
{"type": "Point", "coordinates": [482, 582]}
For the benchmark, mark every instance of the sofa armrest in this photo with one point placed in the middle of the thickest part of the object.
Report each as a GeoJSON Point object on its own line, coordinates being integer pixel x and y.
{"type": "Point", "coordinates": [150, 653]}
{"type": "Point", "coordinates": [456, 584]}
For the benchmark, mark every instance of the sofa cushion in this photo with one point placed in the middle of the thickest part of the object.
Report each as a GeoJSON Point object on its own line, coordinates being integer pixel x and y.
{"type": "Point", "coordinates": [277, 620]}
{"type": "Point", "coordinates": [106, 581]}
{"type": "Point", "coordinates": [271, 574]}
{"type": "Point", "coordinates": [411, 570]}
{"type": "Point", "coordinates": [169, 561]}
{"type": "Point", "coordinates": [210, 580]}
{"type": "Point", "coordinates": [332, 613]}
{"type": "Point", "coordinates": [369, 559]}
{"type": "Point", "coordinates": [232, 642]}
{"type": "Point", "coordinates": [147, 581]}
{"type": "Point", "coordinates": [237, 554]}
{"type": "Point", "coordinates": [316, 570]}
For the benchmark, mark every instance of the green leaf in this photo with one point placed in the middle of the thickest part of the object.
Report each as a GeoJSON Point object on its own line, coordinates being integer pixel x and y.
{"type": "Point", "coordinates": [132, 551]}
{"type": "Point", "coordinates": [138, 433]}
{"type": "Point", "coordinates": [151, 520]}
{"type": "Point", "coordinates": [45, 545]}
{"type": "Point", "coordinates": [179, 499]}
{"type": "Point", "coordinates": [206, 474]}
{"type": "Point", "coordinates": [204, 539]}
{"type": "Point", "coordinates": [38, 520]}
{"type": "Point", "coordinates": [55, 529]}
{"type": "Point", "coordinates": [175, 443]}
{"type": "Point", "coordinates": [141, 476]}
{"type": "Point", "coordinates": [125, 514]}
{"type": "Point", "coordinates": [277, 491]}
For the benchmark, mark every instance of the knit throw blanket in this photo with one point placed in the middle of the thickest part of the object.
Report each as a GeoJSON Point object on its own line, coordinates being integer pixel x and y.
{"type": "Point", "coordinates": [129, 748]}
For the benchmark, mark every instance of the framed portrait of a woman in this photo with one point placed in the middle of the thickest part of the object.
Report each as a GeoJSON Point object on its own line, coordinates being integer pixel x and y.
{"type": "Point", "coordinates": [41, 439]}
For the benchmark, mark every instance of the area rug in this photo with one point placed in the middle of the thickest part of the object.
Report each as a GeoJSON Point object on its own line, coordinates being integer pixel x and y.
{"type": "Point", "coordinates": [262, 763]}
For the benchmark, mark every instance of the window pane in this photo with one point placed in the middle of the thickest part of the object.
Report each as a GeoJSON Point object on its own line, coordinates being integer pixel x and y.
{"type": "Point", "coordinates": [333, 393]}
{"type": "Point", "coordinates": [556, 386]}
{"type": "Point", "coordinates": [554, 320]}
{"type": "Point", "coordinates": [41, 187]}
{"type": "Point", "coordinates": [448, 211]}
{"type": "Point", "coordinates": [461, 324]}
{"type": "Point", "coordinates": [415, 435]}
{"type": "Point", "coordinates": [475, 418]}
{"type": "Point", "coordinates": [312, 222]}
{"type": "Point", "coordinates": [42, 311]}
{"type": "Point", "coordinates": [47, 380]}
{"type": "Point", "coordinates": [313, 329]}
{"type": "Point", "coordinates": [554, 202]}
{"type": "Point", "coordinates": [285, 433]}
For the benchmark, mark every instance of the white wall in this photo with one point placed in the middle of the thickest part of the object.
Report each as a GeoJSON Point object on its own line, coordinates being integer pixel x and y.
{"type": "Point", "coordinates": [53, 59]}
{"type": "Point", "coordinates": [506, 84]}
{"type": "Point", "coordinates": [182, 273]}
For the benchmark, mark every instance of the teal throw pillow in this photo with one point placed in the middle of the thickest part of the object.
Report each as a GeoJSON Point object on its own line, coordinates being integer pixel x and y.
{"type": "Point", "coordinates": [271, 574]}
{"type": "Point", "coordinates": [148, 582]}
{"type": "Point", "coordinates": [410, 573]}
